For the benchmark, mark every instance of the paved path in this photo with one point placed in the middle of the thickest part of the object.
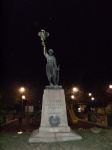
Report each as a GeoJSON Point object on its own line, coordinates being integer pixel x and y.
{"type": "Point", "coordinates": [90, 141]}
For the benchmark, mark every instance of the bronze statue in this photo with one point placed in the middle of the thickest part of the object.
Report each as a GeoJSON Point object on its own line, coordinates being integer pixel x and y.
{"type": "Point", "coordinates": [52, 70]}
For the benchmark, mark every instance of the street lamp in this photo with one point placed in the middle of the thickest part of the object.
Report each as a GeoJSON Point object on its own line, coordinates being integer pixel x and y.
{"type": "Point", "coordinates": [75, 89]}
{"type": "Point", "coordinates": [72, 97]}
{"type": "Point", "coordinates": [23, 97]}
{"type": "Point", "coordinates": [92, 98]}
{"type": "Point", "coordinates": [110, 86]}
{"type": "Point", "coordinates": [109, 89]}
{"type": "Point", "coordinates": [89, 94]}
{"type": "Point", "coordinates": [79, 109]}
{"type": "Point", "coordinates": [22, 90]}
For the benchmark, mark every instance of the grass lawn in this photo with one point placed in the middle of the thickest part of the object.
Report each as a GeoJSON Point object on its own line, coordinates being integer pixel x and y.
{"type": "Point", "coordinates": [90, 141]}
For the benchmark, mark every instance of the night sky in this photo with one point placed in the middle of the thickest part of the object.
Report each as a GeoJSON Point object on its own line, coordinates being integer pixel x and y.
{"type": "Point", "coordinates": [80, 34]}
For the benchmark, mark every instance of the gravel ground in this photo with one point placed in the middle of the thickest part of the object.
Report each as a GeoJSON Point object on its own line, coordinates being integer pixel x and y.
{"type": "Point", "coordinates": [90, 141]}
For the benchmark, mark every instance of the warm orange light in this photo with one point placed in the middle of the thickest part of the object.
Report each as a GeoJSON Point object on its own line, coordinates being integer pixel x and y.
{"type": "Point", "coordinates": [22, 90]}
{"type": "Point", "coordinates": [75, 89]}
{"type": "Point", "coordinates": [72, 97]}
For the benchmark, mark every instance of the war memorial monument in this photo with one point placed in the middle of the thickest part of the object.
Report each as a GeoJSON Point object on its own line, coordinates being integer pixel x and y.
{"type": "Point", "coordinates": [54, 125]}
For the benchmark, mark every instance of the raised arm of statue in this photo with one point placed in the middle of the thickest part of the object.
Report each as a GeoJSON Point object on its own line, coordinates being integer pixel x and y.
{"type": "Point", "coordinates": [44, 49]}
{"type": "Point", "coordinates": [43, 34]}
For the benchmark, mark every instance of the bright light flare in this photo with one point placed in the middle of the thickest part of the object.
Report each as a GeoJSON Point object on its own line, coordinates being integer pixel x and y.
{"type": "Point", "coordinates": [89, 94]}
{"type": "Point", "coordinates": [72, 97]}
{"type": "Point", "coordinates": [79, 109]}
{"type": "Point", "coordinates": [92, 98]}
{"type": "Point", "coordinates": [23, 97]}
{"type": "Point", "coordinates": [22, 90]}
{"type": "Point", "coordinates": [75, 89]}
{"type": "Point", "coordinates": [110, 86]}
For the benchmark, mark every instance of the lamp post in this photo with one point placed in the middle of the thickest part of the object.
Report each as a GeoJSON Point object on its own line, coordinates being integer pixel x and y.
{"type": "Point", "coordinates": [91, 96]}
{"type": "Point", "coordinates": [23, 97]}
{"type": "Point", "coordinates": [74, 96]}
{"type": "Point", "coordinates": [20, 117]}
{"type": "Point", "coordinates": [75, 93]}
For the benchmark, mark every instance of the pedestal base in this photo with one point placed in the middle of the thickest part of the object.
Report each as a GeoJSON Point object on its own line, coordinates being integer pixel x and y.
{"type": "Point", "coordinates": [47, 137]}
{"type": "Point", "coordinates": [54, 125]}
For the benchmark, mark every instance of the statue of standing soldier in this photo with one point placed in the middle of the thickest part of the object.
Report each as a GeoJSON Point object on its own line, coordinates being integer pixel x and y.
{"type": "Point", "coordinates": [52, 70]}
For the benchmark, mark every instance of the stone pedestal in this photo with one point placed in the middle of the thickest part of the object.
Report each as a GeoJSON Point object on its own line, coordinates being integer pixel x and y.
{"type": "Point", "coordinates": [54, 125]}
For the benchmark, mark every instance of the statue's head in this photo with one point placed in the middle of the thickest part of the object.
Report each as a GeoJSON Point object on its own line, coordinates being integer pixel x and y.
{"type": "Point", "coordinates": [50, 51]}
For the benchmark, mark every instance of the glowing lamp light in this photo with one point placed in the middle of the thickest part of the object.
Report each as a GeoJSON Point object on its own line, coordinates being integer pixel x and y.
{"type": "Point", "coordinates": [23, 97]}
{"type": "Point", "coordinates": [90, 94]}
{"type": "Point", "coordinates": [79, 109]}
{"type": "Point", "coordinates": [92, 98]}
{"type": "Point", "coordinates": [72, 97]}
{"type": "Point", "coordinates": [75, 89]}
{"type": "Point", "coordinates": [22, 90]}
{"type": "Point", "coordinates": [110, 86]}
